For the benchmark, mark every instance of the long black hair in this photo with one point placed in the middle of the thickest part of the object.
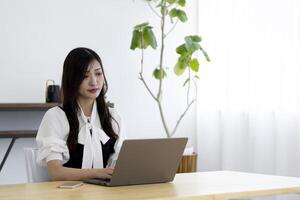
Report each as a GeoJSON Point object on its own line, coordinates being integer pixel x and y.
{"type": "Point", "coordinates": [74, 69]}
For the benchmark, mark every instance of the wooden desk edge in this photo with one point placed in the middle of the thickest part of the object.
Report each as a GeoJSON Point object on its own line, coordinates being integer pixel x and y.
{"type": "Point", "coordinates": [242, 195]}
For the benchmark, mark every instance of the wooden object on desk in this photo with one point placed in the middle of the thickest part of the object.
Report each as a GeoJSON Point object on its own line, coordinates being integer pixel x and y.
{"type": "Point", "coordinates": [187, 164]}
{"type": "Point", "coordinates": [26, 106]}
{"type": "Point", "coordinates": [218, 185]}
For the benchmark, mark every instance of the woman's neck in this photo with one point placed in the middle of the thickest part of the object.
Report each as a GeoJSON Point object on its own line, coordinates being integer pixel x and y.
{"type": "Point", "coordinates": [86, 106]}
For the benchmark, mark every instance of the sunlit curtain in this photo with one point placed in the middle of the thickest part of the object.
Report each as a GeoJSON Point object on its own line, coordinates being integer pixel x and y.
{"type": "Point", "coordinates": [248, 109]}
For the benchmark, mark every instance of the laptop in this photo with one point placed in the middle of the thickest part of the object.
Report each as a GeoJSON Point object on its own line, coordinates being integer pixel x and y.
{"type": "Point", "coordinates": [145, 161]}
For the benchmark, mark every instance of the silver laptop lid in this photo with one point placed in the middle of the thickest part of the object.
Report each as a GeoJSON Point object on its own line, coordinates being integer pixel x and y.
{"type": "Point", "coordinates": [143, 161]}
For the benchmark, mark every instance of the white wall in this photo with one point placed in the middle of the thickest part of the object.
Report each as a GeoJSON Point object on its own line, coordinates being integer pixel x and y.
{"type": "Point", "coordinates": [36, 36]}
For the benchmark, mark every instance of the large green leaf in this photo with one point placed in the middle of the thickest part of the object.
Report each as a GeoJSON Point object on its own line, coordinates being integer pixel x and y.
{"type": "Point", "coordinates": [144, 43]}
{"type": "Point", "coordinates": [195, 38]}
{"type": "Point", "coordinates": [181, 15]}
{"type": "Point", "coordinates": [171, 1]}
{"type": "Point", "coordinates": [149, 37]}
{"type": "Point", "coordinates": [141, 26]}
{"type": "Point", "coordinates": [158, 74]}
{"type": "Point", "coordinates": [195, 47]}
{"type": "Point", "coordinates": [194, 65]}
{"type": "Point", "coordinates": [181, 3]}
{"type": "Point", "coordinates": [190, 45]}
{"type": "Point", "coordinates": [143, 37]}
{"type": "Point", "coordinates": [181, 49]}
{"type": "Point", "coordinates": [173, 13]}
{"type": "Point", "coordinates": [184, 59]}
{"type": "Point", "coordinates": [178, 69]}
{"type": "Point", "coordinates": [136, 40]}
{"type": "Point", "coordinates": [182, 64]}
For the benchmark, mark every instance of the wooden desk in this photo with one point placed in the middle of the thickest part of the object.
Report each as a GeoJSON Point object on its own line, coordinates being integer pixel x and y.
{"type": "Point", "coordinates": [219, 185]}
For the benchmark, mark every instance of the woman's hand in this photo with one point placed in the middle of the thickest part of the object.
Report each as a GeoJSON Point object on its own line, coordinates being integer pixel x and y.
{"type": "Point", "coordinates": [104, 173]}
{"type": "Point", "coordinates": [58, 172]}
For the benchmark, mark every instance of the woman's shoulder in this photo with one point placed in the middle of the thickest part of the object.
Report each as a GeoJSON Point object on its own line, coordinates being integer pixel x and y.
{"type": "Point", "coordinates": [55, 114]}
{"type": "Point", "coordinates": [54, 123]}
{"type": "Point", "coordinates": [56, 110]}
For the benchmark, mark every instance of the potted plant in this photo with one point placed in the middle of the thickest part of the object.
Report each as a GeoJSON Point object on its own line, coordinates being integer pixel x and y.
{"type": "Point", "coordinates": [170, 11]}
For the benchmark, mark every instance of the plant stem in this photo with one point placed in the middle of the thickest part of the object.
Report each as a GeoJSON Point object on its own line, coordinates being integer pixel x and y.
{"type": "Point", "coordinates": [142, 70]}
{"type": "Point", "coordinates": [142, 52]}
{"type": "Point", "coordinates": [187, 101]}
{"type": "Point", "coordinates": [188, 90]}
{"type": "Point", "coordinates": [162, 48]}
{"type": "Point", "coordinates": [147, 87]}
{"type": "Point", "coordinates": [196, 89]}
{"type": "Point", "coordinates": [173, 27]}
{"type": "Point", "coordinates": [181, 117]}
{"type": "Point", "coordinates": [187, 108]}
{"type": "Point", "coordinates": [159, 94]}
{"type": "Point", "coordinates": [163, 119]}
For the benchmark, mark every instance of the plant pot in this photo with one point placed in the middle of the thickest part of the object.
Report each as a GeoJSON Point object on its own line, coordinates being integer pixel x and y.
{"type": "Point", "coordinates": [188, 163]}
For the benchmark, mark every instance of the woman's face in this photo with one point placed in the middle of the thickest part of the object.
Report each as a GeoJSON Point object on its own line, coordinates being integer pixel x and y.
{"type": "Point", "coordinates": [92, 83]}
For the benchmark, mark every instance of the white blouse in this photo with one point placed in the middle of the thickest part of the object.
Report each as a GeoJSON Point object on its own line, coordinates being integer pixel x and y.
{"type": "Point", "coordinates": [53, 133]}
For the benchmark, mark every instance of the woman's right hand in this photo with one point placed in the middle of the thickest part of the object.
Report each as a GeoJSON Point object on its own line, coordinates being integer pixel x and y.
{"type": "Point", "coordinates": [104, 173]}
{"type": "Point", "coordinates": [58, 172]}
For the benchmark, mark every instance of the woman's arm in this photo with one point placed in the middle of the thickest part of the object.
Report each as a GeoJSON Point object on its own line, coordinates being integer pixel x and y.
{"type": "Point", "coordinates": [58, 172]}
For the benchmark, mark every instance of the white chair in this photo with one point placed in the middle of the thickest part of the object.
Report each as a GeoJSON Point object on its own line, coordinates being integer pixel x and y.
{"type": "Point", "coordinates": [35, 173]}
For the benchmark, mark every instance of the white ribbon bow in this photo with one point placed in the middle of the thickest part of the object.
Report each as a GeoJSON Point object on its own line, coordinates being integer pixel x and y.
{"type": "Point", "coordinates": [92, 152]}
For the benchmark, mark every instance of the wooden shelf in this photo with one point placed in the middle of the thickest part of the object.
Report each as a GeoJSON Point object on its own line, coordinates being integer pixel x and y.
{"type": "Point", "coordinates": [19, 133]}
{"type": "Point", "coordinates": [26, 106]}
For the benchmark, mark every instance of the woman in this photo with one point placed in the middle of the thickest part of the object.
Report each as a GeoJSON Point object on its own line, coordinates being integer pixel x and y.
{"type": "Point", "coordinates": [77, 139]}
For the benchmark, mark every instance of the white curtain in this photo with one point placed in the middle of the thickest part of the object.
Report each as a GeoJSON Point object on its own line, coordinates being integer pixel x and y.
{"type": "Point", "coordinates": [248, 109]}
